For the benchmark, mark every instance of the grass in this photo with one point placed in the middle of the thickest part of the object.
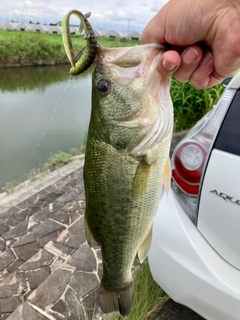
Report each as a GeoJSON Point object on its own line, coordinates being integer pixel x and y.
{"type": "Point", "coordinates": [55, 161]}
{"type": "Point", "coordinates": [191, 104]}
{"type": "Point", "coordinates": [20, 47]}
{"type": "Point", "coordinates": [148, 297]}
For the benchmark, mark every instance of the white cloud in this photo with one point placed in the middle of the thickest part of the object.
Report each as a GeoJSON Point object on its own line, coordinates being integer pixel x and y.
{"type": "Point", "coordinates": [107, 14]}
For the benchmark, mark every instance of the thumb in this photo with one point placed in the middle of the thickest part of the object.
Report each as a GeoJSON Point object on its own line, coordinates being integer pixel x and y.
{"type": "Point", "coordinates": [155, 30]}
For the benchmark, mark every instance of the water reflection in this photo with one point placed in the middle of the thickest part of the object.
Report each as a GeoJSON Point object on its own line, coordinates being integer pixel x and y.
{"type": "Point", "coordinates": [29, 98]}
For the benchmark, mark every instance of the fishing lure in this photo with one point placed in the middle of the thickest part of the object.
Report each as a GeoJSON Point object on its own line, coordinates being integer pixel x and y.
{"type": "Point", "coordinates": [87, 54]}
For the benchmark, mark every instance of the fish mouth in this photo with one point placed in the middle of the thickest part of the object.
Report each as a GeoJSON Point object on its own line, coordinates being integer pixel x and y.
{"type": "Point", "coordinates": [126, 56]}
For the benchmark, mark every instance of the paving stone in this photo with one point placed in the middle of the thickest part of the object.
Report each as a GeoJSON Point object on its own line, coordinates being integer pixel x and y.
{"type": "Point", "coordinates": [52, 236]}
{"type": "Point", "coordinates": [72, 183]}
{"type": "Point", "coordinates": [5, 316]}
{"type": "Point", "coordinates": [37, 276]}
{"type": "Point", "coordinates": [73, 216]}
{"type": "Point", "coordinates": [8, 305]}
{"type": "Point", "coordinates": [9, 286]}
{"type": "Point", "coordinates": [3, 228]}
{"type": "Point", "coordinates": [25, 239]}
{"type": "Point", "coordinates": [58, 249]}
{"type": "Point", "coordinates": [83, 259]}
{"type": "Point", "coordinates": [61, 308]}
{"type": "Point", "coordinates": [6, 258]}
{"type": "Point", "coordinates": [56, 264]}
{"type": "Point", "coordinates": [63, 235]}
{"type": "Point", "coordinates": [23, 205]}
{"type": "Point", "coordinates": [13, 210]}
{"type": "Point", "coordinates": [81, 196]}
{"type": "Point", "coordinates": [2, 244]}
{"type": "Point", "coordinates": [76, 240]}
{"type": "Point", "coordinates": [17, 231]}
{"type": "Point", "coordinates": [51, 188]}
{"type": "Point", "coordinates": [60, 216]}
{"type": "Point", "coordinates": [50, 197]}
{"type": "Point", "coordinates": [55, 206]}
{"type": "Point", "coordinates": [71, 206]}
{"type": "Point", "coordinates": [57, 316]}
{"type": "Point", "coordinates": [47, 227]}
{"type": "Point", "coordinates": [64, 188]}
{"type": "Point", "coordinates": [51, 289]}
{"type": "Point", "coordinates": [13, 284]}
{"type": "Point", "coordinates": [75, 309]}
{"type": "Point", "coordinates": [77, 226]}
{"type": "Point", "coordinates": [38, 204]}
{"type": "Point", "coordinates": [40, 259]}
{"type": "Point", "coordinates": [26, 251]}
{"type": "Point", "coordinates": [68, 196]}
{"type": "Point", "coordinates": [91, 304]}
{"type": "Point", "coordinates": [41, 215]}
{"type": "Point", "coordinates": [33, 199]}
{"type": "Point", "coordinates": [14, 266]}
{"type": "Point", "coordinates": [83, 283]}
{"type": "Point", "coordinates": [32, 211]}
{"type": "Point", "coordinates": [25, 312]}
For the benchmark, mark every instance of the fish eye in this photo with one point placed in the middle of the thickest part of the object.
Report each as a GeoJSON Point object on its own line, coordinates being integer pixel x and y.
{"type": "Point", "coordinates": [103, 85]}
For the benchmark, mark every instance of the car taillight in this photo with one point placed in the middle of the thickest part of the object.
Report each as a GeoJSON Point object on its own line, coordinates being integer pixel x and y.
{"type": "Point", "coordinates": [191, 155]}
{"type": "Point", "coordinates": [189, 161]}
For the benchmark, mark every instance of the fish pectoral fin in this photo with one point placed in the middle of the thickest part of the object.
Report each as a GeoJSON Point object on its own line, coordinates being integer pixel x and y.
{"type": "Point", "coordinates": [167, 174]}
{"type": "Point", "coordinates": [140, 180]}
{"type": "Point", "coordinates": [145, 246]}
{"type": "Point", "coordinates": [90, 238]}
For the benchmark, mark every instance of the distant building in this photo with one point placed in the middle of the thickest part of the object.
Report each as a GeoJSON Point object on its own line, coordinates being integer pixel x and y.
{"type": "Point", "coordinates": [38, 28]}
{"type": "Point", "coordinates": [10, 25]}
{"type": "Point", "coordinates": [23, 26]}
{"type": "Point", "coordinates": [113, 34]}
{"type": "Point", "coordinates": [100, 33]}
{"type": "Point", "coordinates": [57, 29]}
{"type": "Point", "coordinates": [134, 36]}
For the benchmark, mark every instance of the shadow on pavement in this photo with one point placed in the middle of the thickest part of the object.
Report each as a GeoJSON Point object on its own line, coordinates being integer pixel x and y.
{"type": "Point", "coordinates": [175, 311]}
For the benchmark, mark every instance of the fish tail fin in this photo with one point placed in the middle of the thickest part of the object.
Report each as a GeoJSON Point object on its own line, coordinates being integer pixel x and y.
{"type": "Point", "coordinates": [113, 300]}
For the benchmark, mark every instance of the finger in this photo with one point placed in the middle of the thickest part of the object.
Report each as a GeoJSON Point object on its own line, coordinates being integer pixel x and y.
{"type": "Point", "coordinates": [190, 60]}
{"type": "Point", "coordinates": [168, 63]}
{"type": "Point", "coordinates": [202, 77]}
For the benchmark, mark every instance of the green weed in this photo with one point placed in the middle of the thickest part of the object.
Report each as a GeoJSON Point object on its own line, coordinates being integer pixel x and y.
{"type": "Point", "coordinates": [191, 104]}
{"type": "Point", "coordinates": [148, 297]}
{"type": "Point", "coordinates": [56, 160]}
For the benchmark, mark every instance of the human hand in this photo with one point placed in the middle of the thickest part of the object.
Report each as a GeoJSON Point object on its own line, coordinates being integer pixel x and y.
{"type": "Point", "coordinates": [202, 37]}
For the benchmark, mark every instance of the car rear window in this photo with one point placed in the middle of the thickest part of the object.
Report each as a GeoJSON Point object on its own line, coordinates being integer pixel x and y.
{"type": "Point", "coordinates": [228, 138]}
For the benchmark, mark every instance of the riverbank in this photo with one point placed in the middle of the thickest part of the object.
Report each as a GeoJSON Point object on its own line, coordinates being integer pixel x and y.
{"type": "Point", "coordinates": [21, 48]}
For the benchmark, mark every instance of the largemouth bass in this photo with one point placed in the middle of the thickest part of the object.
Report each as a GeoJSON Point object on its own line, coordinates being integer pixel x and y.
{"type": "Point", "coordinates": [126, 163]}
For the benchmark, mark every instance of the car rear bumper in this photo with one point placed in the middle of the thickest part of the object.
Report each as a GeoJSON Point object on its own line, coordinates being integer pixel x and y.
{"type": "Point", "coordinates": [187, 267]}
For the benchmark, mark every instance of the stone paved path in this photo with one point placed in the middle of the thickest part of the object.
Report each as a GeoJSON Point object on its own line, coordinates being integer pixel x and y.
{"type": "Point", "coordinates": [47, 270]}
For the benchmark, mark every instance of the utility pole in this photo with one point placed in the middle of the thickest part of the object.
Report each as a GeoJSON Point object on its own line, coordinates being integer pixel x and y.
{"type": "Point", "coordinates": [128, 25]}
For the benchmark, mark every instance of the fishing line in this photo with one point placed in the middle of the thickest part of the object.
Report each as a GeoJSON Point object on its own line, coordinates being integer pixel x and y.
{"type": "Point", "coordinates": [51, 119]}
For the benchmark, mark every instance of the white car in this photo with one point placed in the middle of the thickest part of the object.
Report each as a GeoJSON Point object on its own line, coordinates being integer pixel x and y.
{"type": "Point", "coordinates": [195, 251]}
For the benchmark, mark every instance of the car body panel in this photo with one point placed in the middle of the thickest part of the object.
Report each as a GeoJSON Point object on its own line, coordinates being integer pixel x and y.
{"type": "Point", "coordinates": [219, 209]}
{"type": "Point", "coordinates": [190, 271]}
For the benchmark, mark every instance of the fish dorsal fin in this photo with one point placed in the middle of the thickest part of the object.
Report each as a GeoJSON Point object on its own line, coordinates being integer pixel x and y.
{"type": "Point", "coordinates": [145, 246]}
{"type": "Point", "coordinates": [90, 238]}
{"type": "Point", "coordinates": [167, 175]}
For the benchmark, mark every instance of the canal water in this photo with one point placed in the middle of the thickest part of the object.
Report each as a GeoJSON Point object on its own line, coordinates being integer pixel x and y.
{"type": "Point", "coordinates": [41, 112]}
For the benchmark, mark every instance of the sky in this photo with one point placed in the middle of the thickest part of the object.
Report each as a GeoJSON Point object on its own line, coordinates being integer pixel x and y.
{"type": "Point", "coordinates": [122, 15]}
